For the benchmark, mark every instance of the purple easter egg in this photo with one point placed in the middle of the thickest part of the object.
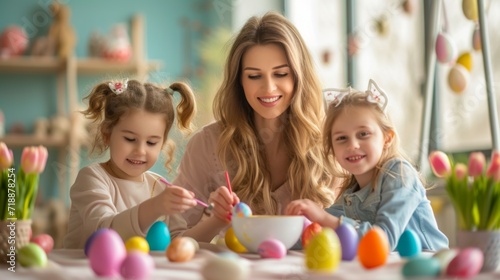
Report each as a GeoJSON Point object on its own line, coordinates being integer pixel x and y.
{"type": "Point", "coordinates": [349, 239]}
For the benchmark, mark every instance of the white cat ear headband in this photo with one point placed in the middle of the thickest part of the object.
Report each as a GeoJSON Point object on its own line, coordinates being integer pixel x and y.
{"type": "Point", "coordinates": [374, 95]}
{"type": "Point", "coordinates": [118, 87]}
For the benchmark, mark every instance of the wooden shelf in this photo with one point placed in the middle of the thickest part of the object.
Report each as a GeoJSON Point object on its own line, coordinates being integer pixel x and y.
{"type": "Point", "coordinates": [28, 64]}
{"type": "Point", "coordinates": [21, 140]}
{"type": "Point", "coordinates": [97, 65]}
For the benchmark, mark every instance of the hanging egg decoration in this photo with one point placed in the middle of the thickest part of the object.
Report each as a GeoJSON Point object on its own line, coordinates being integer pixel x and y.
{"type": "Point", "coordinates": [476, 39]}
{"type": "Point", "coordinates": [465, 59]}
{"type": "Point", "coordinates": [446, 51]}
{"type": "Point", "coordinates": [458, 78]}
{"type": "Point", "coordinates": [469, 8]}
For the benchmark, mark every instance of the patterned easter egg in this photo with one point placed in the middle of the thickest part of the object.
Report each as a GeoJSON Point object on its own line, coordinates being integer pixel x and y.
{"type": "Point", "coordinates": [242, 210]}
{"type": "Point", "coordinates": [272, 249]}
{"type": "Point", "coordinates": [323, 254]}
{"type": "Point", "coordinates": [446, 51]}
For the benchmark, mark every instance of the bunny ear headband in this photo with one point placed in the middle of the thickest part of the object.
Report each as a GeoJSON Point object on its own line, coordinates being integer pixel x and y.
{"type": "Point", "coordinates": [118, 87]}
{"type": "Point", "coordinates": [374, 95]}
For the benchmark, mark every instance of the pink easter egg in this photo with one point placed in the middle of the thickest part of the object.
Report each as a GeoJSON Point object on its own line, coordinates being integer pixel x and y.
{"type": "Point", "coordinates": [45, 241]}
{"type": "Point", "coordinates": [107, 253]}
{"type": "Point", "coordinates": [137, 265]}
{"type": "Point", "coordinates": [272, 248]}
{"type": "Point", "coordinates": [458, 78]}
{"type": "Point", "coordinates": [446, 51]}
{"type": "Point", "coordinates": [466, 264]}
{"type": "Point", "coordinates": [307, 222]}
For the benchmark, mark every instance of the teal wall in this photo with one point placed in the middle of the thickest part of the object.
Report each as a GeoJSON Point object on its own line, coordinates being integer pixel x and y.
{"type": "Point", "coordinates": [23, 98]}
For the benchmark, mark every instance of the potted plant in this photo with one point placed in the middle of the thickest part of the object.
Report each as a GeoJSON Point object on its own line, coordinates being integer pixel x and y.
{"type": "Point", "coordinates": [474, 191]}
{"type": "Point", "coordinates": [18, 190]}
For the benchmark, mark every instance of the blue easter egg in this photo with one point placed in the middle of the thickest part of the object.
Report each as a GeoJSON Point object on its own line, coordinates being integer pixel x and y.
{"type": "Point", "coordinates": [242, 210]}
{"type": "Point", "coordinates": [158, 236]}
{"type": "Point", "coordinates": [421, 267]}
{"type": "Point", "coordinates": [409, 245]}
{"type": "Point", "coordinates": [91, 238]}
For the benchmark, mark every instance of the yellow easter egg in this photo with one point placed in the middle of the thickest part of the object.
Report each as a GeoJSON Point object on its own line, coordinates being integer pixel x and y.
{"type": "Point", "coordinates": [323, 253]}
{"type": "Point", "coordinates": [233, 243]}
{"type": "Point", "coordinates": [465, 60]}
{"type": "Point", "coordinates": [458, 78]}
{"type": "Point", "coordinates": [137, 243]}
{"type": "Point", "coordinates": [469, 8]}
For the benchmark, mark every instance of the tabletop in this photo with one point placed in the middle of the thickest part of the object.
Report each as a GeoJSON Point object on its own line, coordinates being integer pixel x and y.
{"type": "Point", "coordinates": [73, 264]}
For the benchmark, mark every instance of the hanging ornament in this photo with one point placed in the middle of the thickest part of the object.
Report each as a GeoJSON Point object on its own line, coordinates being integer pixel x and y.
{"type": "Point", "coordinates": [382, 25]}
{"type": "Point", "coordinates": [446, 51]}
{"type": "Point", "coordinates": [409, 6]}
{"type": "Point", "coordinates": [353, 45]}
{"type": "Point", "coordinates": [465, 59]}
{"type": "Point", "coordinates": [469, 8]}
{"type": "Point", "coordinates": [476, 39]}
{"type": "Point", "coordinates": [458, 78]}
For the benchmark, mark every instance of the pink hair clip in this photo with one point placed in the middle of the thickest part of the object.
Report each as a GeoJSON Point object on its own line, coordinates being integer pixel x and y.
{"type": "Point", "coordinates": [376, 95]}
{"type": "Point", "coordinates": [118, 87]}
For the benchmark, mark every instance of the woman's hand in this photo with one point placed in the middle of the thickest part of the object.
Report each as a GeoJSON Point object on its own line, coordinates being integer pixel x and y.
{"type": "Point", "coordinates": [174, 200]}
{"type": "Point", "coordinates": [310, 210]}
{"type": "Point", "coordinates": [223, 202]}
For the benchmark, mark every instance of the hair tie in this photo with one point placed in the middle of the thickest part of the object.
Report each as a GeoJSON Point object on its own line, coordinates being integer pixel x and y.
{"type": "Point", "coordinates": [118, 87]}
{"type": "Point", "coordinates": [170, 91]}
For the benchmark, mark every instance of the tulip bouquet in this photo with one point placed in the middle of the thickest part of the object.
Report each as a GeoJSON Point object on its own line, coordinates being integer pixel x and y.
{"type": "Point", "coordinates": [18, 190]}
{"type": "Point", "coordinates": [473, 189]}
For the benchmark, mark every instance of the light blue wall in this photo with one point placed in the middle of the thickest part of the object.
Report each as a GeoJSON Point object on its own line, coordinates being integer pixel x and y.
{"type": "Point", "coordinates": [23, 98]}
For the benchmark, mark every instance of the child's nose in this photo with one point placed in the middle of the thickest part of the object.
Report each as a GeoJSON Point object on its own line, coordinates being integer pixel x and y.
{"type": "Point", "coordinates": [353, 144]}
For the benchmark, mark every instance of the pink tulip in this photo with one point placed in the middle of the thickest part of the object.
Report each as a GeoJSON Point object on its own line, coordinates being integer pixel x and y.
{"type": "Point", "coordinates": [460, 170]}
{"type": "Point", "coordinates": [477, 161]}
{"type": "Point", "coordinates": [42, 158]}
{"type": "Point", "coordinates": [29, 159]}
{"type": "Point", "coordinates": [6, 156]}
{"type": "Point", "coordinates": [494, 168]}
{"type": "Point", "coordinates": [440, 163]}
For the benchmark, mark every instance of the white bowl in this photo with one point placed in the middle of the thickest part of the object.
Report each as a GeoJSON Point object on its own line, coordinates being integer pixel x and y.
{"type": "Point", "coordinates": [253, 230]}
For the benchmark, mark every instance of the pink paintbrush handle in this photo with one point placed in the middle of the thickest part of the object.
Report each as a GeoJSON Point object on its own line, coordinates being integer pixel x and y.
{"type": "Point", "coordinates": [163, 180]}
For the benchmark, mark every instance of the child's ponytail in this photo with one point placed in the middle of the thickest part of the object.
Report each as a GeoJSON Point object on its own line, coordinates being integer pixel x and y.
{"type": "Point", "coordinates": [186, 109]}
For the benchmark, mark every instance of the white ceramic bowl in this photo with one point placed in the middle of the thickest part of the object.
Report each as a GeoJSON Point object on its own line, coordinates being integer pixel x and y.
{"type": "Point", "coordinates": [253, 230]}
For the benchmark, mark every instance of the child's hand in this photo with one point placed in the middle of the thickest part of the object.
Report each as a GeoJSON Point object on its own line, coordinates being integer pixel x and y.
{"type": "Point", "coordinates": [223, 202]}
{"type": "Point", "coordinates": [175, 199]}
{"type": "Point", "coordinates": [309, 209]}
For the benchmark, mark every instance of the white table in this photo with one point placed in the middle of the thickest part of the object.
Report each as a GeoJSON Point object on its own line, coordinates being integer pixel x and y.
{"type": "Point", "coordinates": [72, 264]}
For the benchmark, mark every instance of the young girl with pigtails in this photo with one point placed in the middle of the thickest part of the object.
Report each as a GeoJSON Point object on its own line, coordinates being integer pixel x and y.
{"type": "Point", "coordinates": [134, 120]}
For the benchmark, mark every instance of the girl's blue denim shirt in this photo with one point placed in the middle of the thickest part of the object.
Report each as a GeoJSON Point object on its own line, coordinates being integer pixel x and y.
{"type": "Point", "coordinates": [397, 202]}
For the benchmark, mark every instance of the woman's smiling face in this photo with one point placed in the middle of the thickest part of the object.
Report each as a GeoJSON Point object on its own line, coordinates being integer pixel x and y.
{"type": "Point", "coordinates": [267, 80]}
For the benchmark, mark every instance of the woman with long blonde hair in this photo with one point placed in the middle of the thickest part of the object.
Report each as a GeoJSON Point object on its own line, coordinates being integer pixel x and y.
{"type": "Point", "coordinates": [267, 134]}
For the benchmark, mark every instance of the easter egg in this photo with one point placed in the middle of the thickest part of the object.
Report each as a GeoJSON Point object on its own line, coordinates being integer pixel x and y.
{"type": "Point", "coordinates": [107, 253]}
{"type": "Point", "coordinates": [466, 264]}
{"type": "Point", "coordinates": [242, 210]}
{"type": "Point", "coordinates": [444, 257]}
{"type": "Point", "coordinates": [307, 222]}
{"type": "Point", "coordinates": [421, 267]}
{"type": "Point", "coordinates": [469, 7]}
{"type": "Point", "coordinates": [349, 240]}
{"type": "Point", "coordinates": [458, 78]}
{"type": "Point", "coordinates": [476, 39]}
{"type": "Point", "coordinates": [45, 241]}
{"type": "Point", "coordinates": [195, 243]}
{"type": "Point", "coordinates": [137, 265]}
{"type": "Point", "coordinates": [373, 248]}
{"type": "Point", "coordinates": [446, 51]}
{"type": "Point", "coordinates": [158, 236]}
{"type": "Point", "coordinates": [272, 249]}
{"type": "Point", "coordinates": [409, 245]}
{"type": "Point", "coordinates": [32, 255]}
{"type": "Point", "coordinates": [137, 243]}
{"type": "Point", "coordinates": [232, 242]}
{"type": "Point", "coordinates": [309, 232]}
{"type": "Point", "coordinates": [91, 238]}
{"type": "Point", "coordinates": [180, 250]}
{"type": "Point", "coordinates": [465, 60]}
{"type": "Point", "coordinates": [323, 252]}
{"type": "Point", "coordinates": [225, 267]}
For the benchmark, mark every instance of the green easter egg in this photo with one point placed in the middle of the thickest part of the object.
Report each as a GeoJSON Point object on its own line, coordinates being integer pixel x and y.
{"type": "Point", "coordinates": [32, 255]}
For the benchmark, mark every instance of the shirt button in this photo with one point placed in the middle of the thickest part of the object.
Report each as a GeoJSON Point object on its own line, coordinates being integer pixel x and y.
{"type": "Point", "coordinates": [348, 201]}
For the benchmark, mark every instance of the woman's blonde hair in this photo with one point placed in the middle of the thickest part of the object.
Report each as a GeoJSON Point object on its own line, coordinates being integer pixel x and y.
{"type": "Point", "coordinates": [240, 148]}
{"type": "Point", "coordinates": [391, 150]}
{"type": "Point", "coordinates": [106, 107]}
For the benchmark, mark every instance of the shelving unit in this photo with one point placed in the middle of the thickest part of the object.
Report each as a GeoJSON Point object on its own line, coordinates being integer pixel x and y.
{"type": "Point", "coordinates": [67, 73]}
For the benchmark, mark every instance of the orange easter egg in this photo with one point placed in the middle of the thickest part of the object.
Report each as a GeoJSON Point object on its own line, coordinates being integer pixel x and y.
{"type": "Point", "coordinates": [373, 248]}
{"type": "Point", "coordinates": [465, 60]}
{"type": "Point", "coordinates": [458, 78]}
{"type": "Point", "coordinates": [180, 250]}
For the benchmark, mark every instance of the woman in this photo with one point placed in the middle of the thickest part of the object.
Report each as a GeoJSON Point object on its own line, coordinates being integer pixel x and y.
{"type": "Point", "coordinates": [267, 134]}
